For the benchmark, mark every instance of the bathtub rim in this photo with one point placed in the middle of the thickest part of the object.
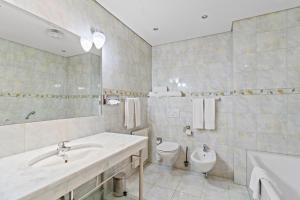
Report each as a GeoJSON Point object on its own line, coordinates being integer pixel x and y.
{"type": "Point", "coordinates": [270, 189]}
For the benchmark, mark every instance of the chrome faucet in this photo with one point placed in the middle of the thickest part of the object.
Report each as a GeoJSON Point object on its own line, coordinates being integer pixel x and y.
{"type": "Point", "coordinates": [205, 148]}
{"type": "Point", "coordinates": [62, 149]}
{"type": "Point", "coordinates": [29, 115]}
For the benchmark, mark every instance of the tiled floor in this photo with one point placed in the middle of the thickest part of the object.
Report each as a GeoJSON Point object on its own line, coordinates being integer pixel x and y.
{"type": "Point", "coordinates": [162, 183]}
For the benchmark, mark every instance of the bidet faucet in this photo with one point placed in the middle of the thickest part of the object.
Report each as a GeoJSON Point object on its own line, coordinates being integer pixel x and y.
{"type": "Point", "coordinates": [205, 148]}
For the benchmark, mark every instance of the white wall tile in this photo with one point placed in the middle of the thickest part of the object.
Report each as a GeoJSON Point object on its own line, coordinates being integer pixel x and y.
{"type": "Point", "coordinates": [12, 139]}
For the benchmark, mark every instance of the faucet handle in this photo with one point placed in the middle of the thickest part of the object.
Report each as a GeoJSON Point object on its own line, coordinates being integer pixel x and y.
{"type": "Point", "coordinates": [205, 148]}
{"type": "Point", "coordinates": [62, 144]}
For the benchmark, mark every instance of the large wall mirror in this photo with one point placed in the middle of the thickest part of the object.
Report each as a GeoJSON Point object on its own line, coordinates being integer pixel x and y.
{"type": "Point", "coordinates": [44, 72]}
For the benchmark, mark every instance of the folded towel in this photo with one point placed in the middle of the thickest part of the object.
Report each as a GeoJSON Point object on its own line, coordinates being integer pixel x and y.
{"type": "Point", "coordinates": [160, 89]}
{"type": "Point", "coordinates": [129, 113]}
{"type": "Point", "coordinates": [198, 122]}
{"type": "Point", "coordinates": [257, 175]}
{"type": "Point", "coordinates": [166, 94]}
{"type": "Point", "coordinates": [210, 113]}
{"type": "Point", "coordinates": [137, 112]}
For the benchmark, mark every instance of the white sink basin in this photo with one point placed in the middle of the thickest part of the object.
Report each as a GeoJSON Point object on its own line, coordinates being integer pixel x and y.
{"type": "Point", "coordinates": [203, 161]}
{"type": "Point", "coordinates": [74, 154]}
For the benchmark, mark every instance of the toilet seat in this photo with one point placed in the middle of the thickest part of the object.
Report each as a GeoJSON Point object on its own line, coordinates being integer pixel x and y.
{"type": "Point", "coordinates": [167, 147]}
{"type": "Point", "coordinates": [167, 152]}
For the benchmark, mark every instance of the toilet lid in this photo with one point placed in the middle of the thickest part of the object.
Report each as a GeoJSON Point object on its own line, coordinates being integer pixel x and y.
{"type": "Point", "coordinates": [167, 146]}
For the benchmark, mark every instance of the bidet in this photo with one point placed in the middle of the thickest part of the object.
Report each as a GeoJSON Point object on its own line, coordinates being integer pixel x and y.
{"type": "Point", "coordinates": [203, 159]}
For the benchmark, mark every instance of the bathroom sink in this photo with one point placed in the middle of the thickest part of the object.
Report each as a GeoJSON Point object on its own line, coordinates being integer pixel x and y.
{"type": "Point", "coordinates": [75, 153]}
{"type": "Point", "coordinates": [202, 160]}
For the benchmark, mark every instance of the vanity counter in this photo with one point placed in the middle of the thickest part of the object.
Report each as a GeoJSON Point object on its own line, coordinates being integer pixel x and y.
{"type": "Point", "coordinates": [20, 181]}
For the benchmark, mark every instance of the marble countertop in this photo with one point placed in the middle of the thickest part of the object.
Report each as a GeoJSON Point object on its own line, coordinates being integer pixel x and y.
{"type": "Point", "coordinates": [19, 181]}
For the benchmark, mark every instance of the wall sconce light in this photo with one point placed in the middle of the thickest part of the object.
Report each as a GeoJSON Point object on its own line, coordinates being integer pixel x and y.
{"type": "Point", "coordinates": [98, 39]}
{"type": "Point", "coordinates": [86, 44]}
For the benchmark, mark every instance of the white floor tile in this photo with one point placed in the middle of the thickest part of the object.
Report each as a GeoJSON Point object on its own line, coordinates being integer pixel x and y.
{"type": "Point", "coordinates": [165, 183]}
{"type": "Point", "coordinates": [184, 196]}
{"type": "Point", "coordinates": [192, 184]}
{"type": "Point", "coordinates": [158, 193]}
{"type": "Point", "coordinates": [168, 181]}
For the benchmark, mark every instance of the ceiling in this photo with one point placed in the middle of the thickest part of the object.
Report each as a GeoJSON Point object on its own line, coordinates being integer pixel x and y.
{"type": "Point", "coordinates": [182, 19]}
{"type": "Point", "coordinates": [29, 30]}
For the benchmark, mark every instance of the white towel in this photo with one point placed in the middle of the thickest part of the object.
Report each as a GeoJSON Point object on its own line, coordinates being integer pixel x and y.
{"type": "Point", "coordinates": [129, 113]}
{"type": "Point", "coordinates": [198, 122]}
{"type": "Point", "coordinates": [137, 112]}
{"type": "Point", "coordinates": [166, 94]}
{"type": "Point", "coordinates": [270, 190]}
{"type": "Point", "coordinates": [210, 113]}
{"type": "Point", "coordinates": [160, 89]}
{"type": "Point", "coordinates": [257, 175]}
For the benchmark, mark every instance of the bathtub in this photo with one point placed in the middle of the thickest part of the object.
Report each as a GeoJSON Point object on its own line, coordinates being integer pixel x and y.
{"type": "Point", "coordinates": [283, 170]}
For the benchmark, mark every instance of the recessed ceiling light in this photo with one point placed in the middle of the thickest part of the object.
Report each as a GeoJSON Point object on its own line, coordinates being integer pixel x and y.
{"type": "Point", "coordinates": [54, 33]}
{"type": "Point", "coordinates": [155, 29]}
{"type": "Point", "coordinates": [204, 16]}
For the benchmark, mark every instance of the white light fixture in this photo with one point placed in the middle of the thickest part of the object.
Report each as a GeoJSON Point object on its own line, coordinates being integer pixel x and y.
{"type": "Point", "coordinates": [98, 39]}
{"type": "Point", "coordinates": [86, 44]}
{"type": "Point", "coordinates": [81, 88]}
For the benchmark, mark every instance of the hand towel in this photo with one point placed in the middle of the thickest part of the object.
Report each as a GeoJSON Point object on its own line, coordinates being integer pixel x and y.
{"type": "Point", "coordinates": [198, 114]}
{"type": "Point", "coordinates": [137, 112]}
{"type": "Point", "coordinates": [173, 94]}
{"type": "Point", "coordinates": [160, 89]}
{"type": "Point", "coordinates": [270, 189]}
{"type": "Point", "coordinates": [210, 113]}
{"type": "Point", "coordinates": [166, 94]}
{"type": "Point", "coordinates": [129, 113]}
{"type": "Point", "coordinates": [257, 174]}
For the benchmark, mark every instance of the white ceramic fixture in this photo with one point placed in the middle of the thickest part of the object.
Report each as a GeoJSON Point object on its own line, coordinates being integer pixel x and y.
{"type": "Point", "coordinates": [86, 44]}
{"type": "Point", "coordinates": [167, 152]}
{"type": "Point", "coordinates": [98, 39]}
{"type": "Point", "coordinates": [53, 179]}
{"type": "Point", "coordinates": [203, 160]}
{"type": "Point", "coordinates": [74, 153]}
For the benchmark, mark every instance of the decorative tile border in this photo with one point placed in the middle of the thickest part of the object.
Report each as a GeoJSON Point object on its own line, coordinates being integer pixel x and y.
{"type": "Point", "coordinates": [114, 92]}
{"type": "Point", "coordinates": [246, 92]}
{"type": "Point", "coordinates": [124, 93]}
{"type": "Point", "coordinates": [47, 96]}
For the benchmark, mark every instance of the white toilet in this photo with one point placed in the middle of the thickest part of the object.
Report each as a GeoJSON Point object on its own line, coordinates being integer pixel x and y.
{"type": "Point", "coordinates": [167, 152]}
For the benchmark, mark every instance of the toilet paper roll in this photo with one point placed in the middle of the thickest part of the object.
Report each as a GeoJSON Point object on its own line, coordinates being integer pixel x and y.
{"type": "Point", "coordinates": [188, 132]}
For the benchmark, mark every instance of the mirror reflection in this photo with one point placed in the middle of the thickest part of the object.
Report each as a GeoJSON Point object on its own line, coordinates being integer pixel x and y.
{"type": "Point", "coordinates": [44, 72]}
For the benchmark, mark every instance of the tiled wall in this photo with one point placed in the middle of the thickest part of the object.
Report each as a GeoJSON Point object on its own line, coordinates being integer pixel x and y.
{"type": "Point", "coordinates": [261, 53]}
{"type": "Point", "coordinates": [204, 64]}
{"type": "Point", "coordinates": [266, 54]}
{"type": "Point", "coordinates": [24, 137]}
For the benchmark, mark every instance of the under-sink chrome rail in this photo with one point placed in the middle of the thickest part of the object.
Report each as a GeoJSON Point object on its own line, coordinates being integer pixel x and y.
{"type": "Point", "coordinates": [115, 172]}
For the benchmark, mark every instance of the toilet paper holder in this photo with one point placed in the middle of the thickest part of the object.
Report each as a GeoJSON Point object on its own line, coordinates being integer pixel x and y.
{"type": "Point", "coordinates": [187, 130]}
